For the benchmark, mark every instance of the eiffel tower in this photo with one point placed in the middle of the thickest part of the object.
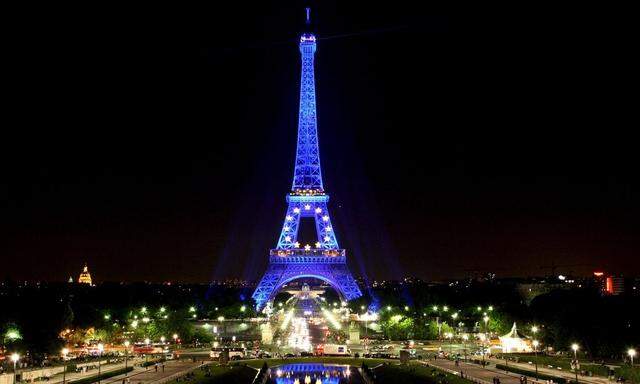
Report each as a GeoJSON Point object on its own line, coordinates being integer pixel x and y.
{"type": "Point", "coordinates": [324, 260]}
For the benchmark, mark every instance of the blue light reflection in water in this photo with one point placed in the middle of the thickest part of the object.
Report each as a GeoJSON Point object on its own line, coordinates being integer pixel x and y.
{"type": "Point", "coordinates": [310, 373]}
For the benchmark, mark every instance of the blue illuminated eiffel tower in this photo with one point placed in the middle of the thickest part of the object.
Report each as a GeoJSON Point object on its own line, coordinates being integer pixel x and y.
{"type": "Point", "coordinates": [291, 260]}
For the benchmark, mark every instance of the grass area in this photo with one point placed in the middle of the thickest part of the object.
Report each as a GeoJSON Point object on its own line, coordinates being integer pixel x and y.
{"type": "Point", "coordinates": [102, 376]}
{"type": "Point", "coordinates": [257, 363]}
{"type": "Point", "coordinates": [630, 374]}
{"type": "Point", "coordinates": [562, 362]}
{"type": "Point", "coordinates": [415, 373]}
{"type": "Point", "coordinates": [235, 374]}
{"type": "Point", "coordinates": [532, 374]}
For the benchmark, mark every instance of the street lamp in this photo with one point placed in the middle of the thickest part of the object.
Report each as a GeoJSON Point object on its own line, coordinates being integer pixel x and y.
{"type": "Point", "coordinates": [100, 350]}
{"type": "Point", "coordinates": [465, 337]}
{"type": "Point", "coordinates": [449, 336]}
{"type": "Point", "coordinates": [575, 348]}
{"type": "Point", "coordinates": [162, 339]}
{"type": "Point", "coordinates": [126, 356]}
{"type": "Point", "coordinates": [15, 357]}
{"type": "Point", "coordinates": [64, 352]}
{"type": "Point", "coordinates": [535, 350]}
{"type": "Point", "coordinates": [483, 337]}
{"type": "Point", "coordinates": [175, 338]}
{"type": "Point", "coordinates": [632, 353]}
{"type": "Point", "coordinates": [146, 355]}
{"type": "Point", "coordinates": [534, 330]}
{"type": "Point", "coordinates": [366, 333]}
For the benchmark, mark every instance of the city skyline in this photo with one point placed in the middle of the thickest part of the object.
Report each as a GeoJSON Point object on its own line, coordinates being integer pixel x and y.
{"type": "Point", "coordinates": [444, 149]}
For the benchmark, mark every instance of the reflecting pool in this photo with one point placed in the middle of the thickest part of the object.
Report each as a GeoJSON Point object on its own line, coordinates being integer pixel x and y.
{"type": "Point", "coordinates": [310, 373]}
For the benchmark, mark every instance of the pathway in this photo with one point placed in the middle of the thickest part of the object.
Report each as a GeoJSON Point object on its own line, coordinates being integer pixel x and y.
{"type": "Point", "coordinates": [473, 371]}
{"type": "Point", "coordinates": [554, 372]}
{"type": "Point", "coordinates": [144, 376]}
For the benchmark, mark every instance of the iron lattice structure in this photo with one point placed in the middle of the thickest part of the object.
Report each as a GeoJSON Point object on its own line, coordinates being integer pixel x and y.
{"type": "Point", "coordinates": [291, 260]}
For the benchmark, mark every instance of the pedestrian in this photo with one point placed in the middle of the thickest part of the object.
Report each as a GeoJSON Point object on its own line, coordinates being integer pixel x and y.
{"type": "Point", "coordinates": [162, 367]}
{"type": "Point", "coordinates": [156, 366]}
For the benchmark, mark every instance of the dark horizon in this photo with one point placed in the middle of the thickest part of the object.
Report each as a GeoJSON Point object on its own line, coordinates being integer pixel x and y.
{"type": "Point", "coordinates": [449, 145]}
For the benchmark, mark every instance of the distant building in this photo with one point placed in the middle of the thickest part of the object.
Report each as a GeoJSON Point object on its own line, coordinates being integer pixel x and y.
{"type": "Point", "coordinates": [613, 285]}
{"type": "Point", "coordinates": [609, 284]}
{"type": "Point", "coordinates": [85, 276]}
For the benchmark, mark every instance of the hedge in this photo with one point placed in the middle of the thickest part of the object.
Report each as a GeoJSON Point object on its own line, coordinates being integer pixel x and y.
{"type": "Point", "coordinates": [106, 375]}
{"type": "Point", "coordinates": [526, 372]}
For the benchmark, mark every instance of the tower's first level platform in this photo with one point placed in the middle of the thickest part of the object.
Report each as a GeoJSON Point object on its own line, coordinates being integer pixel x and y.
{"type": "Point", "coordinates": [298, 256]}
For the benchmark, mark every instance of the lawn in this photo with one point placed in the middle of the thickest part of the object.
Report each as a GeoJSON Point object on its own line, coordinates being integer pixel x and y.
{"type": "Point", "coordinates": [218, 374]}
{"type": "Point", "coordinates": [558, 361]}
{"type": "Point", "coordinates": [415, 373]}
{"type": "Point", "coordinates": [630, 374]}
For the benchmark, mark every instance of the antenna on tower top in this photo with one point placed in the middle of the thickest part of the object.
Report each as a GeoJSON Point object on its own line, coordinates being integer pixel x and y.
{"type": "Point", "coordinates": [308, 21]}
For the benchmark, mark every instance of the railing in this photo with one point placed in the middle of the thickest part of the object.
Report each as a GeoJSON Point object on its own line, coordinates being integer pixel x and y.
{"type": "Point", "coordinates": [307, 252]}
{"type": "Point", "coordinates": [307, 259]}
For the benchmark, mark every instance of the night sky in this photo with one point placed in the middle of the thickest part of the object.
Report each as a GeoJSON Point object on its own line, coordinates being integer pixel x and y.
{"type": "Point", "coordinates": [449, 144]}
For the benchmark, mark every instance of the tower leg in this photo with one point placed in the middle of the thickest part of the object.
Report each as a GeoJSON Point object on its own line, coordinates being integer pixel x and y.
{"type": "Point", "coordinates": [335, 274]}
{"type": "Point", "coordinates": [268, 285]}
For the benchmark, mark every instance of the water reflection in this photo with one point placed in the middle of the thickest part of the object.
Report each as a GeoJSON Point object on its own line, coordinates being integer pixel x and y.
{"type": "Point", "coordinates": [309, 373]}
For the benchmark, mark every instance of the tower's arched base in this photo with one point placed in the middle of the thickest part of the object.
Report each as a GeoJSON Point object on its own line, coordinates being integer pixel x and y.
{"type": "Point", "coordinates": [282, 270]}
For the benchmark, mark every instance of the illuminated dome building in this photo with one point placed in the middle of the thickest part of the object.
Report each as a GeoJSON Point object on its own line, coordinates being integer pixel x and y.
{"type": "Point", "coordinates": [85, 276]}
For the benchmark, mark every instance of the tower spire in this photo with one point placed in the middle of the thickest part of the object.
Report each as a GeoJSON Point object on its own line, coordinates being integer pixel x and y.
{"type": "Point", "coordinates": [307, 174]}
